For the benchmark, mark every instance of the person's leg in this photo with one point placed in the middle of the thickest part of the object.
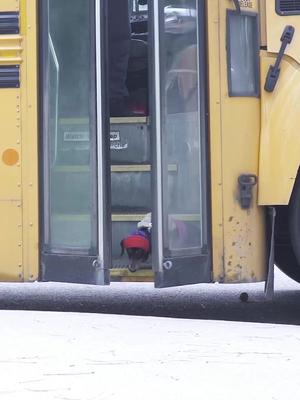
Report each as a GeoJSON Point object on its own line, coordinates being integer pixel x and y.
{"type": "Point", "coordinates": [119, 35]}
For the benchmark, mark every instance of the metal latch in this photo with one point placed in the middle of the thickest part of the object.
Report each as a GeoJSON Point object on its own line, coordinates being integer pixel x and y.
{"type": "Point", "coordinates": [246, 184]}
{"type": "Point", "coordinates": [274, 70]}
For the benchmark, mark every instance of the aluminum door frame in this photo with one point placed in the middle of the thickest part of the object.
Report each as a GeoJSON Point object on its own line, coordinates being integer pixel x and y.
{"type": "Point", "coordinates": [179, 271]}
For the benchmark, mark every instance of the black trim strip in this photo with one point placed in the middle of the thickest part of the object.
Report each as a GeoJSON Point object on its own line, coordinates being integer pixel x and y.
{"type": "Point", "coordinates": [9, 23]}
{"type": "Point", "coordinates": [287, 7]}
{"type": "Point", "coordinates": [9, 76]}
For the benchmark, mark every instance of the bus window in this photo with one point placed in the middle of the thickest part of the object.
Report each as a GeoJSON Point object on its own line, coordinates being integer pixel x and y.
{"type": "Point", "coordinates": [69, 124]}
{"type": "Point", "coordinates": [182, 135]}
{"type": "Point", "coordinates": [243, 54]}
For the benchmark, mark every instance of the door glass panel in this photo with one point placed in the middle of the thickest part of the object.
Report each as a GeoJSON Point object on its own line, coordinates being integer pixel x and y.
{"type": "Point", "coordinates": [182, 133]}
{"type": "Point", "coordinates": [69, 107]}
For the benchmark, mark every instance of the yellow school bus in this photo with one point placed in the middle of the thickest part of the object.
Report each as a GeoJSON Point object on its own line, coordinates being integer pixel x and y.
{"type": "Point", "coordinates": [211, 147]}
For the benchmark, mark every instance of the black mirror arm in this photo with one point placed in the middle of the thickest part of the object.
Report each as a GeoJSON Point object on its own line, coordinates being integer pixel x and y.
{"type": "Point", "coordinates": [274, 70]}
{"type": "Point", "coordinates": [237, 6]}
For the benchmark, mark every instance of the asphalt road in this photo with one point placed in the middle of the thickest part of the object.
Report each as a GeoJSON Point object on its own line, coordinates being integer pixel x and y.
{"type": "Point", "coordinates": [204, 301]}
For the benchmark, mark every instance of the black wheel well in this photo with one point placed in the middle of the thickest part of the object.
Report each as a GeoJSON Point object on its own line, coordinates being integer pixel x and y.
{"type": "Point", "coordinates": [285, 255]}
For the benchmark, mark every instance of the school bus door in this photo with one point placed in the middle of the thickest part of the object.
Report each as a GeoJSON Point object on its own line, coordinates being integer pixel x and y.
{"type": "Point", "coordinates": [75, 179]}
{"type": "Point", "coordinates": [180, 233]}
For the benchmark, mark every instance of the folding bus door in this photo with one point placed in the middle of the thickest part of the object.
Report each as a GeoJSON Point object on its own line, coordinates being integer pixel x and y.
{"type": "Point", "coordinates": [180, 236]}
{"type": "Point", "coordinates": [74, 147]}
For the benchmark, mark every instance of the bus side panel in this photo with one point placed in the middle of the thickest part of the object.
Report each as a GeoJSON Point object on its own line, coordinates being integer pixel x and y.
{"type": "Point", "coordinates": [11, 267]}
{"type": "Point", "coordinates": [244, 230]}
{"type": "Point", "coordinates": [29, 104]}
{"type": "Point", "coordinates": [215, 139]}
{"type": "Point", "coordinates": [18, 148]}
{"type": "Point", "coordinates": [11, 263]}
{"type": "Point", "coordinates": [280, 134]}
{"type": "Point", "coordinates": [9, 5]}
{"type": "Point", "coordinates": [275, 27]}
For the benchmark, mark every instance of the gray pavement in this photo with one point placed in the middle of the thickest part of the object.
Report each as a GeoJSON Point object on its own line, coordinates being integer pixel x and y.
{"type": "Point", "coordinates": [204, 301]}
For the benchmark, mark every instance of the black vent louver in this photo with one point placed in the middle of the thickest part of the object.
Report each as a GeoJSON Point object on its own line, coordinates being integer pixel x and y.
{"type": "Point", "coordinates": [288, 7]}
{"type": "Point", "coordinates": [9, 23]}
{"type": "Point", "coordinates": [9, 76]}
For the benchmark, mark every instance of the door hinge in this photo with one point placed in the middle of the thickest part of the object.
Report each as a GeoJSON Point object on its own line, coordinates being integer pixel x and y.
{"type": "Point", "coordinates": [101, 272]}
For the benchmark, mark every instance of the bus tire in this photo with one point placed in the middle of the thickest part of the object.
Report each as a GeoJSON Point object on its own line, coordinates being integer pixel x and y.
{"type": "Point", "coordinates": [285, 255]}
{"type": "Point", "coordinates": [294, 220]}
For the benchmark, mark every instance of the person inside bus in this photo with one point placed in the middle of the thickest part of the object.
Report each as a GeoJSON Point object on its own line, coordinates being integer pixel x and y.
{"type": "Point", "coordinates": [121, 48]}
{"type": "Point", "coordinates": [119, 37]}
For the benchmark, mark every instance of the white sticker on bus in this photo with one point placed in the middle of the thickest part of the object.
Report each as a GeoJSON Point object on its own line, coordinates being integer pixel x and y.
{"type": "Point", "coordinates": [76, 136]}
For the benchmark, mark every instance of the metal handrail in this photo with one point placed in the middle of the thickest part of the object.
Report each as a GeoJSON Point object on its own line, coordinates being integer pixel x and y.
{"type": "Point", "coordinates": [56, 64]}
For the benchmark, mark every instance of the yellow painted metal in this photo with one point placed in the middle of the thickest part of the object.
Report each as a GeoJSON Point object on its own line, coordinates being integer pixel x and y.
{"type": "Point", "coordinates": [234, 151]}
{"type": "Point", "coordinates": [11, 235]}
{"type": "Point", "coordinates": [275, 27]}
{"type": "Point", "coordinates": [11, 262]}
{"type": "Point", "coordinates": [11, 238]}
{"type": "Point", "coordinates": [213, 25]}
{"type": "Point", "coordinates": [114, 168]}
{"type": "Point", "coordinates": [139, 168]}
{"type": "Point", "coordinates": [29, 106]}
{"type": "Point", "coordinates": [124, 275]}
{"type": "Point", "coordinates": [9, 5]}
{"type": "Point", "coordinates": [113, 120]}
{"type": "Point", "coordinates": [280, 134]}
{"type": "Point", "coordinates": [129, 120]}
{"type": "Point", "coordinates": [280, 119]}
{"type": "Point", "coordinates": [11, 243]}
{"type": "Point", "coordinates": [10, 176]}
{"type": "Point", "coordinates": [114, 217]}
{"type": "Point", "coordinates": [131, 168]}
{"type": "Point", "coordinates": [11, 48]}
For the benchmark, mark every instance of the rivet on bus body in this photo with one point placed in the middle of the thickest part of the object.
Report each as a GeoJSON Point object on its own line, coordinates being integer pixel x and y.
{"type": "Point", "coordinates": [31, 224]}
